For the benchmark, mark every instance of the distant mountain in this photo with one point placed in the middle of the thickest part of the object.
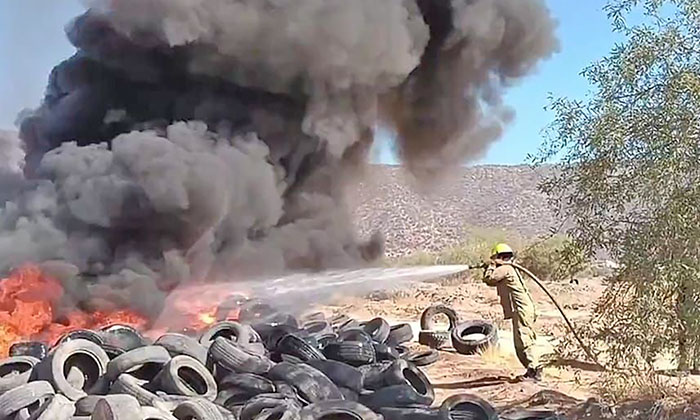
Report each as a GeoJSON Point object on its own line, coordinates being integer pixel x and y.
{"type": "Point", "coordinates": [483, 196]}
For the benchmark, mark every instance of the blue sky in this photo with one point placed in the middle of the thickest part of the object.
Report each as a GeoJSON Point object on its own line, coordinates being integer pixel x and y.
{"type": "Point", "coordinates": [32, 41]}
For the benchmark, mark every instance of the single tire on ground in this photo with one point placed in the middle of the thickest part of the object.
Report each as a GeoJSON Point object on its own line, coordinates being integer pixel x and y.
{"type": "Point", "coordinates": [435, 339]}
{"type": "Point", "coordinates": [82, 354]}
{"type": "Point", "coordinates": [422, 358]}
{"type": "Point", "coordinates": [347, 410]}
{"type": "Point", "coordinates": [486, 335]}
{"type": "Point", "coordinates": [462, 405]}
{"type": "Point", "coordinates": [427, 317]}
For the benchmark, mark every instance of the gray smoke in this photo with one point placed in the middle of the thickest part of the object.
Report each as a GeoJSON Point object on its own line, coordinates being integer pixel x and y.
{"type": "Point", "coordinates": [213, 140]}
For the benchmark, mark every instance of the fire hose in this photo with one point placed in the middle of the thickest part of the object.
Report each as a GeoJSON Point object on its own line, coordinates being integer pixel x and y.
{"type": "Point", "coordinates": [537, 281]}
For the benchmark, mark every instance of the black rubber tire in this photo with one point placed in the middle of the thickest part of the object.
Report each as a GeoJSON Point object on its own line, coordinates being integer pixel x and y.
{"type": "Point", "coordinates": [118, 407]}
{"type": "Point", "coordinates": [16, 371]}
{"type": "Point", "coordinates": [310, 384]}
{"type": "Point", "coordinates": [285, 389]}
{"type": "Point", "coordinates": [231, 330]}
{"type": "Point", "coordinates": [335, 409]}
{"type": "Point", "coordinates": [318, 328]}
{"type": "Point", "coordinates": [180, 344]}
{"type": "Point", "coordinates": [378, 329]}
{"type": "Point", "coordinates": [395, 396]}
{"type": "Point", "coordinates": [184, 375]}
{"type": "Point", "coordinates": [385, 352]}
{"type": "Point", "coordinates": [467, 403]}
{"type": "Point", "coordinates": [143, 362]}
{"type": "Point", "coordinates": [349, 394]}
{"type": "Point", "coordinates": [258, 405]}
{"type": "Point", "coordinates": [84, 354]}
{"type": "Point", "coordinates": [247, 382]}
{"type": "Point", "coordinates": [237, 359]}
{"type": "Point", "coordinates": [34, 349]}
{"type": "Point", "coordinates": [80, 335]}
{"type": "Point", "coordinates": [347, 323]}
{"type": "Point", "coordinates": [426, 318]}
{"type": "Point", "coordinates": [112, 352]}
{"type": "Point", "coordinates": [414, 413]}
{"type": "Point", "coordinates": [198, 409]}
{"type": "Point", "coordinates": [122, 336]}
{"type": "Point", "coordinates": [24, 396]}
{"type": "Point", "coordinates": [152, 413]}
{"type": "Point", "coordinates": [355, 334]}
{"type": "Point", "coordinates": [86, 405]}
{"type": "Point", "coordinates": [373, 375]}
{"type": "Point", "coordinates": [354, 353]}
{"type": "Point", "coordinates": [231, 398]}
{"type": "Point", "coordinates": [464, 346]}
{"type": "Point", "coordinates": [126, 384]}
{"type": "Point", "coordinates": [435, 339]}
{"type": "Point", "coordinates": [57, 408]}
{"type": "Point", "coordinates": [298, 347]}
{"type": "Point", "coordinates": [343, 375]}
{"type": "Point", "coordinates": [325, 340]}
{"type": "Point", "coordinates": [402, 350]}
{"type": "Point", "coordinates": [271, 334]}
{"type": "Point", "coordinates": [402, 372]}
{"type": "Point", "coordinates": [399, 334]}
{"type": "Point", "coordinates": [422, 358]}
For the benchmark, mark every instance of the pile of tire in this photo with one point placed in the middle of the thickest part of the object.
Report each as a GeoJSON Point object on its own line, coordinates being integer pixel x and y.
{"type": "Point", "coordinates": [466, 337]}
{"type": "Point", "coordinates": [266, 365]}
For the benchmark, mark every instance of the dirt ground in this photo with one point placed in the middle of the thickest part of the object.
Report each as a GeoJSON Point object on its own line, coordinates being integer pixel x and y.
{"type": "Point", "coordinates": [489, 375]}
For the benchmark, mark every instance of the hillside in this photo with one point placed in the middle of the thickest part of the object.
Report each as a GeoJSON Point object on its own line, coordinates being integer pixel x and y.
{"type": "Point", "coordinates": [504, 197]}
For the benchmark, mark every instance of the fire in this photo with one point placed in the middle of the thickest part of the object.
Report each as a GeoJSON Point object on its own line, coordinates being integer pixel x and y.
{"type": "Point", "coordinates": [28, 300]}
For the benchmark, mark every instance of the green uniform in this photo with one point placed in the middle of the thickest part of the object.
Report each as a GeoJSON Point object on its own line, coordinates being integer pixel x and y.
{"type": "Point", "coordinates": [518, 306]}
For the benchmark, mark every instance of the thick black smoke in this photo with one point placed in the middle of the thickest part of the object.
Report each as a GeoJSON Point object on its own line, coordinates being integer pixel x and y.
{"type": "Point", "coordinates": [209, 140]}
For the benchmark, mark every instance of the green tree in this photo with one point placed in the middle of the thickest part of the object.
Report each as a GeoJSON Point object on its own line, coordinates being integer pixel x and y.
{"type": "Point", "coordinates": [629, 181]}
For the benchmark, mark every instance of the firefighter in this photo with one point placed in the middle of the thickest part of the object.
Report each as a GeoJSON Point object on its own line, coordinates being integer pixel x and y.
{"type": "Point", "coordinates": [517, 305]}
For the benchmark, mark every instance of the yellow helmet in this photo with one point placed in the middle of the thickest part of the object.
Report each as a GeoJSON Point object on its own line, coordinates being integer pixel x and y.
{"type": "Point", "coordinates": [501, 249]}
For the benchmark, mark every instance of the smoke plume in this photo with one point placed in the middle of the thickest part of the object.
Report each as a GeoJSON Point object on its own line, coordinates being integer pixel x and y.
{"type": "Point", "coordinates": [212, 140]}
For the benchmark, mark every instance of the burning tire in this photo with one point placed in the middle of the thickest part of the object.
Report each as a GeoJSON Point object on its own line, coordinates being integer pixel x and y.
{"type": "Point", "coordinates": [423, 358]}
{"type": "Point", "coordinates": [463, 405]}
{"type": "Point", "coordinates": [399, 334]}
{"type": "Point", "coordinates": [184, 375]}
{"type": "Point", "coordinates": [84, 355]}
{"type": "Point", "coordinates": [341, 409]}
{"type": "Point", "coordinates": [24, 396]}
{"type": "Point", "coordinates": [180, 344]}
{"type": "Point", "coordinates": [471, 336]}
{"type": "Point", "coordinates": [143, 363]}
{"type": "Point", "coordinates": [16, 371]}
{"type": "Point", "coordinates": [427, 317]}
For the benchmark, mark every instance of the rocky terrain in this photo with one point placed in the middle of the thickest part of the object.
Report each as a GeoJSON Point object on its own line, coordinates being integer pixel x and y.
{"type": "Point", "coordinates": [430, 218]}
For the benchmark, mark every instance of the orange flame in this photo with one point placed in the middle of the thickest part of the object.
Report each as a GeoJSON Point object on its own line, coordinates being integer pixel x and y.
{"type": "Point", "coordinates": [27, 299]}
